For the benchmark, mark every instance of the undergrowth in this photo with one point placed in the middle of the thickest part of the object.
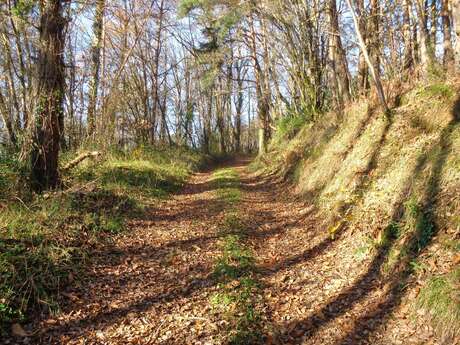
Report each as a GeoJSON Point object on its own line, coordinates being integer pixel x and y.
{"type": "Point", "coordinates": [46, 240]}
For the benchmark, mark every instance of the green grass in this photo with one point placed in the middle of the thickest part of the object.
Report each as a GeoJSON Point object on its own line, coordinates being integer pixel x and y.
{"type": "Point", "coordinates": [234, 270]}
{"type": "Point", "coordinates": [441, 298]}
{"type": "Point", "coordinates": [236, 260]}
{"type": "Point", "coordinates": [238, 296]}
{"type": "Point", "coordinates": [226, 183]}
{"type": "Point", "coordinates": [288, 126]}
{"type": "Point", "coordinates": [232, 224]}
{"type": "Point", "coordinates": [46, 240]}
{"type": "Point", "coordinates": [437, 90]}
{"type": "Point", "coordinates": [144, 171]}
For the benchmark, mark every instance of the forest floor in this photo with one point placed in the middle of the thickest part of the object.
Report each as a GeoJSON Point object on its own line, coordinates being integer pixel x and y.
{"type": "Point", "coordinates": [232, 258]}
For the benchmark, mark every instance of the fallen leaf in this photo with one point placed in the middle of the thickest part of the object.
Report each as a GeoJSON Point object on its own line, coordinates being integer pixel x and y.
{"type": "Point", "coordinates": [18, 331]}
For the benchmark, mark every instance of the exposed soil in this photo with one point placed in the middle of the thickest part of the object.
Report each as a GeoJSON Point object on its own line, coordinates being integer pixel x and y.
{"type": "Point", "coordinates": [154, 284]}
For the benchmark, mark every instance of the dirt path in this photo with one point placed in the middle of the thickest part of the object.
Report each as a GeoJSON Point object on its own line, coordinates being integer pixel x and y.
{"type": "Point", "coordinates": [154, 285]}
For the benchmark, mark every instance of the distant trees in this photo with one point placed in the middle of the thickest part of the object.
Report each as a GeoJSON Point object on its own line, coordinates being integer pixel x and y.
{"type": "Point", "coordinates": [216, 75]}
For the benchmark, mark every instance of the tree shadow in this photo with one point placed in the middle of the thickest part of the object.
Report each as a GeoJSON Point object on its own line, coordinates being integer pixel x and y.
{"type": "Point", "coordinates": [301, 330]}
{"type": "Point", "coordinates": [353, 141]}
{"type": "Point", "coordinates": [303, 257]}
{"type": "Point", "coordinates": [425, 230]}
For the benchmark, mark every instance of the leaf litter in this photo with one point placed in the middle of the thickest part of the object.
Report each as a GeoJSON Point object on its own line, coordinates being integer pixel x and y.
{"type": "Point", "coordinates": [153, 285]}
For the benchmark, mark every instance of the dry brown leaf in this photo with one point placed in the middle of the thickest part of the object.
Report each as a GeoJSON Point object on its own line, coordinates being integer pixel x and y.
{"type": "Point", "coordinates": [18, 331]}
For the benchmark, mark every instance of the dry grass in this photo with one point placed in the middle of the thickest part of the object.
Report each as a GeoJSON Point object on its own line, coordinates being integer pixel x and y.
{"type": "Point", "coordinates": [374, 171]}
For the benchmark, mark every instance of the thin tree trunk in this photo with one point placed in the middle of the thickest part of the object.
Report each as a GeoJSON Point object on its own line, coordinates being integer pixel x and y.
{"type": "Point", "coordinates": [424, 41]}
{"type": "Point", "coordinates": [6, 117]}
{"type": "Point", "coordinates": [407, 34]}
{"type": "Point", "coordinates": [456, 18]}
{"type": "Point", "coordinates": [98, 26]}
{"type": "Point", "coordinates": [363, 71]}
{"type": "Point", "coordinates": [375, 75]}
{"type": "Point", "coordinates": [448, 58]}
{"type": "Point", "coordinates": [22, 69]}
{"type": "Point", "coordinates": [156, 76]}
{"type": "Point", "coordinates": [339, 66]}
{"type": "Point", "coordinates": [262, 102]}
{"type": "Point", "coordinates": [374, 43]}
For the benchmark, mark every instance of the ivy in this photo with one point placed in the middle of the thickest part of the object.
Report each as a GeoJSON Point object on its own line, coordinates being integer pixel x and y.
{"type": "Point", "coordinates": [22, 8]}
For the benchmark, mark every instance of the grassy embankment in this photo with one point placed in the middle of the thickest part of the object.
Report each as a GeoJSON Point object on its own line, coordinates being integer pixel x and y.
{"type": "Point", "coordinates": [392, 184]}
{"type": "Point", "coordinates": [46, 240]}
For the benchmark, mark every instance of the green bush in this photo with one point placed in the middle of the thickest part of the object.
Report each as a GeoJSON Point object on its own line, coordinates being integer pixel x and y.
{"type": "Point", "coordinates": [438, 90]}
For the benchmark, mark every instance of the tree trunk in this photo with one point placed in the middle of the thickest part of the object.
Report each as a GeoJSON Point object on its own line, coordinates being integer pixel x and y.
{"type": "Point", "coordinates": [156, 74]}
{"type": "Point", "coordinates": [456, 18]}
{"type": "Point", "coordinates": [50, 95]}
{"type": "Point", "coordinates": [434, 24]}
{"type": "Point", "coordinates": [98, 27]}
{"type": "Point", "coordinates": [407, 34]}
{"type": "Point", "coordinates": [238, 107]}
{"type": "Point", "coordinates": [374, 42]}
{"type": "Point", "coordinates": [424, 41]}
{"type": "Point", "coordinates": [363, 73]}
{"type": "Point", "coordinates": [262, 101]}
{"type": "Point", "coordinates": [6, 117]}
{"type": "Point", "coordinates": [338, 60]}
{"type": "Point", "coordinates": [447, 38]}
{"type": "Point", "coordinates": [375, 74]}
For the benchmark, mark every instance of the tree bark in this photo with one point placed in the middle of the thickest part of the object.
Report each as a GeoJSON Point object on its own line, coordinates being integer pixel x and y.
{"type": "Point", "coordinates": [426, 50]}
{"type": "Point", "coordinates": [6, 117]}
{"type": "Point", "coordinates": [448, 58]}
{"type": "Point", "coordinates": [407, 34]}
{"type": "Point", "coordinates": [98, 27]}
{"type": "Point", "coordinates": [363, 72]}
{"type": "Point", "coordinates": [338, 60]}
{"type": "Point", "coordinates": [374, 44]}
{"type": "Point", "coordinates": [50, 96]}
{"type": "Point", "coordinates": [456, 18]}
{"type": "Point", "coordinates": [262, 101]}
{"type": "Point", "coordinates": [156, 74]}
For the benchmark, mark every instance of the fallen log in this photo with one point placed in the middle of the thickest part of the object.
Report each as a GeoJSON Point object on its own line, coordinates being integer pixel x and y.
{"type": "Point", "coordinates": [72, 164]}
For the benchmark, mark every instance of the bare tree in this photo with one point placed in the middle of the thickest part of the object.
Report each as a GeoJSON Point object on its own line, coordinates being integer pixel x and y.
{"type": "Point", "coordinates": [98, 27]}
{"type": "Point", "coordinates": [375, 75]}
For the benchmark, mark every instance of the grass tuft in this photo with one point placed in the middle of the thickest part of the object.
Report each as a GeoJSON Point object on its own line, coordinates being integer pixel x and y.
{"type": "Point", "coordinates": [441, 298]}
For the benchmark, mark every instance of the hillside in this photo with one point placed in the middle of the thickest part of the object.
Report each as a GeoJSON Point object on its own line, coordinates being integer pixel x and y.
{"type": "Point", "coordinates": [386, 189]}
